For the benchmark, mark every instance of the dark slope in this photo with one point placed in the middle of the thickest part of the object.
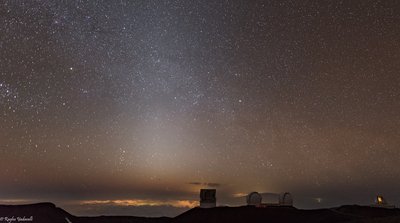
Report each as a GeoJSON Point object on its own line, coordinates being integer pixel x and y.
{"type": "Point", "coordinates": [286, 214]}
{"type": "Point", "coordinates": [254, 215]}
{"type": "Point", "coordinates": [49, 213]}
{"type": "Point", "coordinates": [122, 219]}
{"type": "Point", "coordinates": [365, 211]}
{"type": "Point", "coordinates": [41, 212]}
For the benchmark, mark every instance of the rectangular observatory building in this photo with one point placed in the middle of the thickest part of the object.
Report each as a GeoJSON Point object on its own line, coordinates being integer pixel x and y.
{"type": "Point", "coordinates": [208, 198]}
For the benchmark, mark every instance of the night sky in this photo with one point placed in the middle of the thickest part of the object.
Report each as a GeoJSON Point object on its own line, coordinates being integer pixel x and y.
{"type": "Point", "coordinates": [130, 107]}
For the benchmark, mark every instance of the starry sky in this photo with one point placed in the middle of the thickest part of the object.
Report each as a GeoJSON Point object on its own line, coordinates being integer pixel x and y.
{"type": "Point", "coordinates": [130, 107]}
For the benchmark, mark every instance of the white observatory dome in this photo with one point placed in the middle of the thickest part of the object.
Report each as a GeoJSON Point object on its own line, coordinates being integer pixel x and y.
{"type": "Point", "coordinates": [286, 199]}
{"type": "Point", "coordinates": [254, 199]}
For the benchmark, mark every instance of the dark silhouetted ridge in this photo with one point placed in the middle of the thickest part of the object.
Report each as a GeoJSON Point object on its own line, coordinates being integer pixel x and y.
{"type": "Point", "coordinates": [49, 213]}
{"type": "Point", "coordinates": [253, 214]}
{"type": "Point", "coordinates": [41, 212]}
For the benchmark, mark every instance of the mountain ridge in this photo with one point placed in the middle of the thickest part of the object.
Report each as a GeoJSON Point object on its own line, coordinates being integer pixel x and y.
{"type": "Point", "coordinates": [49, 213]}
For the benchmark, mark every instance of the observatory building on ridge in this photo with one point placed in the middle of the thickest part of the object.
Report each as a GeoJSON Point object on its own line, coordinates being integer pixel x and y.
{"type": "Point", "coordinates": [381, 202]}
{"type": "Point", "coordinates": [208, 198]}
{"type": "Point", "coordinates": [254, 199]}
{"type": "Point", "coordinates": [281, 200]}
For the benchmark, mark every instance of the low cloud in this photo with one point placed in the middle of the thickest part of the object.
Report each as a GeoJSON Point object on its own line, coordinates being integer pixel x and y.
{"type": "Point", "coordinates": [131, 207]}
{"type": "Point", "coordinates": [143, 202]}
{"type": "Point", "coordinates": [239, 195]}
{"type": "Point", "coordinates": [110, 208]}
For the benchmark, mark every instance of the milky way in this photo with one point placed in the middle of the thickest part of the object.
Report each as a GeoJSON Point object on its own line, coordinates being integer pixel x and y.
{"type": "Point", "coordinates": [142, 103]}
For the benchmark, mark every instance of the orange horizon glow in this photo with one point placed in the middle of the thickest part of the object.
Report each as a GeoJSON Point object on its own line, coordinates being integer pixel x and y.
{"type": "Point", "coordinates": [239, 195]}
{"type": "Point", "coordinates": [143, 202]}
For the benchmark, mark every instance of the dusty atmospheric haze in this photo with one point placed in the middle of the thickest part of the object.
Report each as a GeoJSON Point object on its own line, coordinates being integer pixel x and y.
{"type": "Point", "coordinates": [130, 107]}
